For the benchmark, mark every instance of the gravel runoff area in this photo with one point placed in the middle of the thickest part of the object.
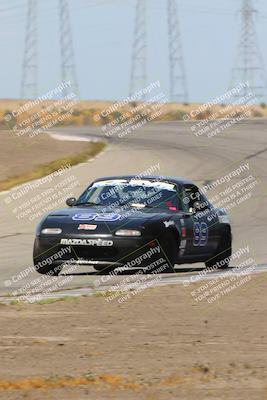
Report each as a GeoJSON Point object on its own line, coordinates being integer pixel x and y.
{"type": "Point", "coordinates": [157, 344]}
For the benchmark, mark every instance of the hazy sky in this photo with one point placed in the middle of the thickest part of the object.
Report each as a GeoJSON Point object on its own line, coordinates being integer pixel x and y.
{"type": "Point", "coordinates": [103, 35]}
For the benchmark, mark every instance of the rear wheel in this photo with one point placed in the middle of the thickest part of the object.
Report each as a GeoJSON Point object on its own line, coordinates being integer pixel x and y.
{"type": "Point", "coordinates": [221, 259]}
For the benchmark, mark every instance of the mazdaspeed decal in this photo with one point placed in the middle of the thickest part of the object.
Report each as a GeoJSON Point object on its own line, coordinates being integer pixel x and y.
{"type": "Point", "coordinates": [87, 242]}
{"type": "Point", "coordinates": [104, 217]}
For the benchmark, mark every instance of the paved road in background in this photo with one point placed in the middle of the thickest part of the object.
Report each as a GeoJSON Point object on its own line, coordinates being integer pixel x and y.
{"type": "Point", "coordinates": [177, 151]}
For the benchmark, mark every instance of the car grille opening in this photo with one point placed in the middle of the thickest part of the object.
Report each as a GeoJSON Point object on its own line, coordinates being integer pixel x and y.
{"type": "Point", "coordinates": [90, 253]}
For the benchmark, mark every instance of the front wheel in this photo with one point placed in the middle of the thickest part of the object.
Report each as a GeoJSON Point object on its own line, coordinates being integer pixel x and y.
{"type": "Point", "coordinates": [41, 263]}
{"type": "Point", "coordinates": [104, 269]}
{"type": "Point", "coordinates": [167, 253]}
{"type": "Point", "coordinates": [51, 270]}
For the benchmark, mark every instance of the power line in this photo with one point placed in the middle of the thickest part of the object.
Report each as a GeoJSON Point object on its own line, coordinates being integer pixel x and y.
{"type": "Point", "coordinates": [53, 11]}
{"type": "Point", "coordinates": [13, 7]}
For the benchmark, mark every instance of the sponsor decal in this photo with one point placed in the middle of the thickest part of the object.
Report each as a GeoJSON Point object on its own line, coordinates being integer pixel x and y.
{"type": "Point", "coordinates": [200, 234]}
{"type": "Point", "coordinates": [87, 227]}
{"type": "Point", "coordinates": [182, 247]}
{"type": "Point", "coordinates": [168, 223]}
{"type": "Point", "coordinates": [105, 217]}
{"type": "Point", "coordinates": [87, 242]}
{"type": "Point", "coordinates": [83, 261]}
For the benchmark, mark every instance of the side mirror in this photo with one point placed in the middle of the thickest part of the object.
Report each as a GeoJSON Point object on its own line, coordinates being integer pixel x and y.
{"type": "Point", "coordinates": [71, 201]}
{"type": "Point", "coordinates": [200, 206]}
{"type": "Point", "coordinates": [196, 207]}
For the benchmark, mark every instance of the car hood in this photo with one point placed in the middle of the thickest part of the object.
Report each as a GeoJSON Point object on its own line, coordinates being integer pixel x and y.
{"type": "Point", "coordinates": [75, 216]}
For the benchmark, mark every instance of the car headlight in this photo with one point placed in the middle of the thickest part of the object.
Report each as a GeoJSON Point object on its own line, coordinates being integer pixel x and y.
{"type": "Point", "coordinates": [51, 231]}
{"type": "Point", "coordinates": [224, 219]}
{"type": "Point", "coordinates": [127, 232]}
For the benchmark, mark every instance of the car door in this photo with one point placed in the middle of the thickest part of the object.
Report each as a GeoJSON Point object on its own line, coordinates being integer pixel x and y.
{"type": "Point", "coordinates": [200, 222]}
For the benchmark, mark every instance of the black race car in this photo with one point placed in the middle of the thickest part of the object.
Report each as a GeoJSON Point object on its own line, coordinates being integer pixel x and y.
{"type": "Point", "coordinates": [131, 222]}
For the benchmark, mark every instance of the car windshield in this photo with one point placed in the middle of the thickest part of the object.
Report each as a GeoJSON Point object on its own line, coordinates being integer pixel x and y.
{"type": "Point", "coordinates": [131, 193]}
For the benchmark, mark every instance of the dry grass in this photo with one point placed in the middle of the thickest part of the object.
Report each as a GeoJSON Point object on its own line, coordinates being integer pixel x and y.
{"type": "Point", "coordinates": [89, 112]}
{"type": "Point", "coordinates": [112, 381]}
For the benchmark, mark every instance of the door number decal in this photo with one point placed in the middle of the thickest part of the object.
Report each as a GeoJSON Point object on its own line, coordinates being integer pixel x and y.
{"type": "Point", "coordinates": [200, 234]}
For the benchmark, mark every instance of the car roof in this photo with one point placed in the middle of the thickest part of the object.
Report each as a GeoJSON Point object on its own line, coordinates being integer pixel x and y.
{"type": "Point", "coordinates": [171, 179]}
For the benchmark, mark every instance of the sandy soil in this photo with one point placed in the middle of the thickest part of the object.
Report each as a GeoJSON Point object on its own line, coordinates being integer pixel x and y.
{"type": "Point", "coordinates": [159, 344]}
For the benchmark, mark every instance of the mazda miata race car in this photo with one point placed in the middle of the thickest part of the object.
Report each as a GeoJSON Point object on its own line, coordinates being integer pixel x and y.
{"type": "Point", "coordinates": [130, 222]}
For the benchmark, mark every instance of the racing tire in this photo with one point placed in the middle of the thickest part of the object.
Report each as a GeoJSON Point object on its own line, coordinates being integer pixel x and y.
{"type": "Point", "coordinates": [223, 253]}
{"type": "Point", "coordinates": [51, 270]}
{"type": "Point", "coordinates": [168, 253]}
{"type": "Point", "coordinates": [103, 269]}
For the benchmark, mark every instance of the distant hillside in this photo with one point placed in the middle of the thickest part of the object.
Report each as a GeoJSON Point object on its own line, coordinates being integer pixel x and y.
{"type": "Point", "coordinates": [54, 114]}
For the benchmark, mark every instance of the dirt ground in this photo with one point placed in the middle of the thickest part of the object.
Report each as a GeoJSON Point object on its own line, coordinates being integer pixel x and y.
{"type": "Point", "coordinates": [159, 344]}
{"type": "Point", "coordinates": [19, 155]}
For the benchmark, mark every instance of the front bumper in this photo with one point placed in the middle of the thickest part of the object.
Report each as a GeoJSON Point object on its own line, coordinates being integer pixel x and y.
{"type": "Point", "coordinates": [122, 250]}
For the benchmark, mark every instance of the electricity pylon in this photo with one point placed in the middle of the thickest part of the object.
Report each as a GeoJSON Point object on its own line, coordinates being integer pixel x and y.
{"type": "Point", "coordinates": [178, 88]}
{"type": "Point", "coordinates": [68, 68]}
{"type": "Point", "coordinates": [139, 56]}
{"type": "Point", "coordinates": [249, 64]}
{"type": "Point", "coordinates": [29, 80]}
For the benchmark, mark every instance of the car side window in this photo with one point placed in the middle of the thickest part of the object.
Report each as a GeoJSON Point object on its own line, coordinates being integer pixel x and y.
{"type": "Point", "coordinates": [193, 200]}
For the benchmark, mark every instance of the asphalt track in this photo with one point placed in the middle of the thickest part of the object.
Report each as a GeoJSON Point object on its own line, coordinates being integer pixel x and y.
{"type": "Point", "coordinates": [178, 152]}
